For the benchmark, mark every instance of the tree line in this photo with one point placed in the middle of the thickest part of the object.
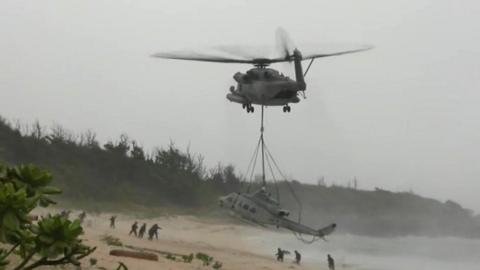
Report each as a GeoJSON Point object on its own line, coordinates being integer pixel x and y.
{"type": "Point", "coordinates": [120, 170]}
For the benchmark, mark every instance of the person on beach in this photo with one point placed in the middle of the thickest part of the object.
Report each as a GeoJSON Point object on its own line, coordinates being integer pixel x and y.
{"type": "Point", "coordinates": [298, 257]}
{"type": "Point", "coordinates": [153, 231]}
{"type": "Point", "coordinates": [142, 230]}
{"type": "Point", "coordinates": [134, 229]}
{"type": "Point", "coordinates": [112, 221]}
{"type": "Point", "coordinates": [331, 262]}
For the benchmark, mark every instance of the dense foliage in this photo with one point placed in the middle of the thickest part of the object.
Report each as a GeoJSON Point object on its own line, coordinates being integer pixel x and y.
{"type": "Point", "coordinates": [54, 240]}
{"type": "Point", "coordinates": [120, 171]}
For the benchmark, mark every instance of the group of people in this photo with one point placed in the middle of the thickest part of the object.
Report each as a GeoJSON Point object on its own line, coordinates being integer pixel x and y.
{"type": "Point", "coordinates": [66, 214]}
{"type": "Point", "coordinates": [152, 232]}
{"type": "Point", "coordinates": [298, 257]}
{"type": "Point", "coordinates": [281, 254]}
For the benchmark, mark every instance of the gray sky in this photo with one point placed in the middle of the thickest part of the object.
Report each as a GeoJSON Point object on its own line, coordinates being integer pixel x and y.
{"type": "Point", "coordinates": [403, 116]}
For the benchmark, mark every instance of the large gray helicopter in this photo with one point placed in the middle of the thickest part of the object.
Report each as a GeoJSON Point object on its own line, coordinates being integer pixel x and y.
{"type": "Point", "coordinates": [261, 85]}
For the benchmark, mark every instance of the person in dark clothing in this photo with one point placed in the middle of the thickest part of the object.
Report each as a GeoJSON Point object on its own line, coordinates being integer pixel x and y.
{"type": "Point", "coordinates": [331, 262]}
{"type": "Point", "coordinates": [82, 216]}
{"type": "Point", "coordinates": [153, 231]}
{"type": "Point", "coordinates": [142, 230]}
{"type": "Point", "coordinates": [298, 257]}
{"type": "Point", "coordinates": [65, 213]}
{"type": "Point", "coordinates": [134, 229]}
{"type": "Point", "coordinates": [112, 221]}
{"type": "Point", "coordinates": [280, 254]}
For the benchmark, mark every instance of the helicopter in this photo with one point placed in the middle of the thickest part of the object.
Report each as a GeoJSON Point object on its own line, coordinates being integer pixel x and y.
{"type": "Point", "coordinates": [262, 85]}
{"type": "Point", "coordinates": [260, 208]}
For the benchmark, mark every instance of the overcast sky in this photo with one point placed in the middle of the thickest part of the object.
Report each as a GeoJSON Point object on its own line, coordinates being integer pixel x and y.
{"type": "Point", "coordinates": [402, 116]}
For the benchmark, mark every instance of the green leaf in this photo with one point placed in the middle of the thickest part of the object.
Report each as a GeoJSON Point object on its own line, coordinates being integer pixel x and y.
{"type": "Point", "coordinates": [10, 221]}
{"type": "Point", "coordinates": [50, 190]}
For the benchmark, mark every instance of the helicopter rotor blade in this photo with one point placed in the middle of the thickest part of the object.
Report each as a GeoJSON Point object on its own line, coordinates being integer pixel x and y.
{"type": "Point", "coordinates": [247, 52]}
{"type": "Point", "coordinates": [237, 55]}
{"type": "Point", "coordinates": [319, 55]}
{"type": "Point", "coordinates": [284, 43]}
{"type": "Point", "coordinates": [201, 57]}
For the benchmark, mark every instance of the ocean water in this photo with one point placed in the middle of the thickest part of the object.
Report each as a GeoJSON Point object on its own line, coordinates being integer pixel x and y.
{"type": "Point", "coordinates": [358, 252]}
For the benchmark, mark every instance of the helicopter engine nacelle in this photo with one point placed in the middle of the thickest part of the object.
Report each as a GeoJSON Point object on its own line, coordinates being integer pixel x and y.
{"type": "Point", "coordinates": [238, 77]}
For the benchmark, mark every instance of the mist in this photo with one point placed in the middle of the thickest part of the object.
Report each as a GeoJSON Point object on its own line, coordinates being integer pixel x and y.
{"type": "Point", "coordinates": [357, 252]}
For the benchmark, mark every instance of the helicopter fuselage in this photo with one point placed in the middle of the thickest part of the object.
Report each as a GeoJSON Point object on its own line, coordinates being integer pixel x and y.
{"type": "Point", "coordinates": [260, 208]}
{"type": "Point", "coordinates": [264, 86]}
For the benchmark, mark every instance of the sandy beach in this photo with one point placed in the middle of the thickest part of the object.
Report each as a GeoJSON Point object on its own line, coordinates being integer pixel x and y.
{"type": "Point", "coordinates": [228, 243]}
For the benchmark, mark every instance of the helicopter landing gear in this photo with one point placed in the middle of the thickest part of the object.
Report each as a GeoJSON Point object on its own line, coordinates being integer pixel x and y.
{"type": "Point", "coordinates": [248, 107]}
{"type": "Point", "coordinates": [286, 108]}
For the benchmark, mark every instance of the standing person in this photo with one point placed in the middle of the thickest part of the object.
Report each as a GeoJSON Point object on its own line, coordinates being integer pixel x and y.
{"type": "Point", "coordinates": [331, 262]}
{"type": "Point", "coordinates": [112, 221]}
{"type": "Point", "coordinates": [153, 231]}
{"type": "Point", "coordinates": [142, 230]}
{"type": "Point", "coordinates": [65, 213]}
{"type": "Point", "coordinates": [298, 257]}
{"type": "Point", "coordinates": [279, 255]}
{"type": "Point", "coordinates": [82, 216]}
{"type": "Point", "coordinates": [134, 229]}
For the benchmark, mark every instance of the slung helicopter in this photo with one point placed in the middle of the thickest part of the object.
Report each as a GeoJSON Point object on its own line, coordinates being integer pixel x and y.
{"type": "Point", "coordinates": [260, 208]}
{"type": "Point", "coordinates": [262, 85]}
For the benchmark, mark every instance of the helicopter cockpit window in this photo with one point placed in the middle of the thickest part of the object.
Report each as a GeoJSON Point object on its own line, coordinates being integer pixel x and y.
{"type": "Point", "coordinates": [267, 75]}
{"type": "Point", "coordinates": [271, 74]}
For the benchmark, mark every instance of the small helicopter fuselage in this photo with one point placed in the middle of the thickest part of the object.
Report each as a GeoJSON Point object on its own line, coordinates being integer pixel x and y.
{"type": "Point", "coordinates": [260, 208]}
{"type": "Point", "coordinates": [264, 86]}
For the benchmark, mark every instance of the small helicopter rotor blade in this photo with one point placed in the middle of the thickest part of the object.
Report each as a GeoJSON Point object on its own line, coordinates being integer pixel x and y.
{"type": "Point", "coordinates": [202, 57]}
{"type": "Point", "coordinates": [319, 55]}
{"type": "Point", "coordinates": [285, 45]}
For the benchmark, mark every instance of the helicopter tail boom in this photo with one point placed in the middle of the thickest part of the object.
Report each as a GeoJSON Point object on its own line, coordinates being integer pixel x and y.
{"type": "Point", "coordinates": [300, 228]}
{"type": "Point", "coordinates": [297, 59]}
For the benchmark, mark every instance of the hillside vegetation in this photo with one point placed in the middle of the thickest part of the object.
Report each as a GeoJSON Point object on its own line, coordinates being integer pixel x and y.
{"type": "Point", "coordinates": [123, 173]}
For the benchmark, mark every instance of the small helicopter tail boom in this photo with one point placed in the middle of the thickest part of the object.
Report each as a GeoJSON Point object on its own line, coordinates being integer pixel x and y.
{"type": "Point", "coordinates": [300, 228]}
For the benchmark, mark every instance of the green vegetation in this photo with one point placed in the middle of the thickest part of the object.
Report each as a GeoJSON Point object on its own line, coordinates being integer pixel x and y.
{"type": "Point", "coordinates": [205, 258]}
{"type": "Point", "coordinates": [187, 259]}
{"type": "Point", "coordinates": [120, 171]}
{"type": "Point", "coordinates": [54, 240]}
{"type": "Point", "coordinates": [121, 175]}
{"type": "Point", "coordinates": [217, 265]}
